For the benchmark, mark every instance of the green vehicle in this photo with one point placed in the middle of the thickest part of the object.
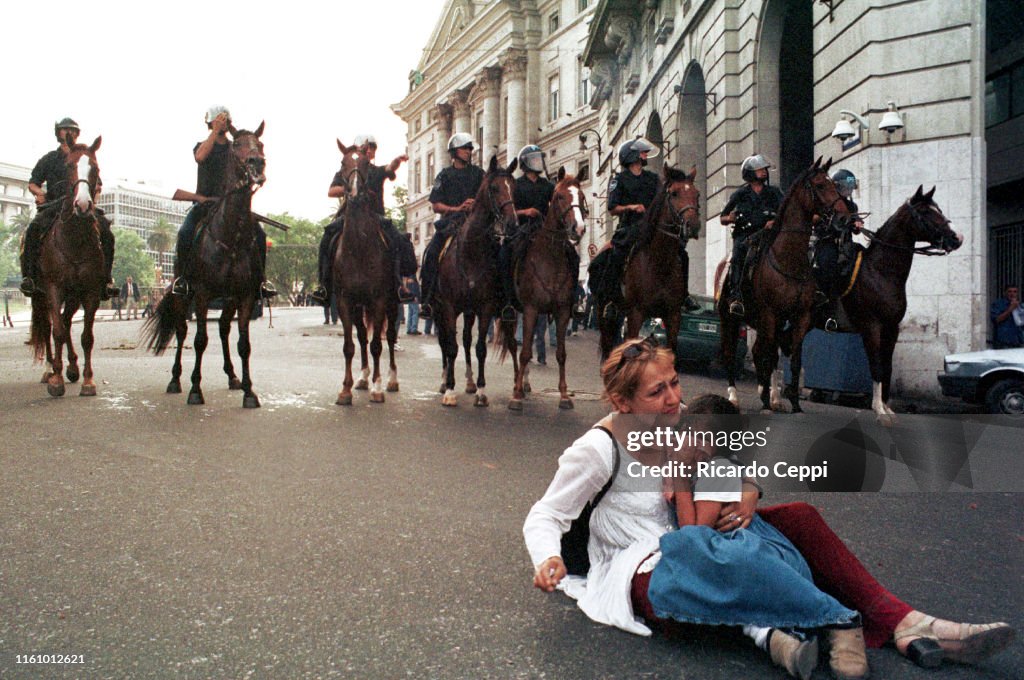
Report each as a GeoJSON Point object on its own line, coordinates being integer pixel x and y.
{"type": "Point", "coordinates": [699, 340]}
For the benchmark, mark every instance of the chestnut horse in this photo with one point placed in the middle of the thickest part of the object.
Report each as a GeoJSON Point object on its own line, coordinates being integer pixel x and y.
{"type": "Point", "coordinates": [783, 287]}
{"type": "Point", "coordinates": [225, 263]}
{"type": "Point", "coordinates": [876, 301]}
{"type": "Point", "coordinates": [468, 281]}
{"type": "Point", "coordinates": [545, 280]}
{"type": "Point", "coordinates": [72, 267]}
{"type": "Point", "coordinates": [656, 279]}
{"type": "Point", "coordinates": [363, 280]}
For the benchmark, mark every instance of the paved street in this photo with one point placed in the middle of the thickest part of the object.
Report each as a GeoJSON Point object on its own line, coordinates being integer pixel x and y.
{"type": "Point", "coordinates": [305, 539]}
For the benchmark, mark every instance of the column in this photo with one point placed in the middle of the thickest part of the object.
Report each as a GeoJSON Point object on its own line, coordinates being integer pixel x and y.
{"type": "Point", "coordinates": [515, 74]}
{"type": "Point", "coordinates": [443, 114]}
{"type": "Point", "coordinates": [460, 111]}
{"type": "Point", "coordinates": [489, 87]}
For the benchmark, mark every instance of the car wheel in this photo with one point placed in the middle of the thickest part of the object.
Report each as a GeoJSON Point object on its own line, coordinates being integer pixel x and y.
{"type": "Point", "coordinates": [1006, 397]}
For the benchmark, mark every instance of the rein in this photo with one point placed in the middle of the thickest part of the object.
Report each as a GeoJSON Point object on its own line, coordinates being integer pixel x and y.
{"type": "Point", "coordinates": [931, 250]}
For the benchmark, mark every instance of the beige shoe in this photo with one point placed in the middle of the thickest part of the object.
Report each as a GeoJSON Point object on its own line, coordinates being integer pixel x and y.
{"type": "Point", "coordinates": [848, 657]}
{"type": "Point", "coordinates": [973, 642]}
{"type": "Point", "coordinates": [798, 658]}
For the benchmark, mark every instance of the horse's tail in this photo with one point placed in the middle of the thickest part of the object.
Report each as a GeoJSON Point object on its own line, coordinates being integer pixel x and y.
{"type": "Point", "coordinates": [161, 327]}
{"type": "Point", "coordinates": [39, 336]}
{"type": "Point", "coordinates": [505, 339]}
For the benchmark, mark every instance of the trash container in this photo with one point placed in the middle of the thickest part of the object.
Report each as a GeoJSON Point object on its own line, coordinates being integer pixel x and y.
{"type": "Point", "coordinates": [834, 362]}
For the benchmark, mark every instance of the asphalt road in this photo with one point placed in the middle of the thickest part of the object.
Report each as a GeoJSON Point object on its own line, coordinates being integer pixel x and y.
{"type": "Point", "coordinates": [305, 539]}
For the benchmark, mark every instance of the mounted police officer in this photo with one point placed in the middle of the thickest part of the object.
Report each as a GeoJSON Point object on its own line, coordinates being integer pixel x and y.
{"type": "Point", "coordinates": [531, 195]}
{"type": "Point", "coordinates": [831, 248]}
{"type": "Point", "coordinates": [376, 176]}
{"type": "Point", "coordinates": [212, 157]}
{"type": "Point", "coordinates": [52, 171]}
{"type": "Point", "coordinates": [751, 208]}
{"type": "Point", "coordinates": [630, 194]}
{"type": "Point", "coordinates": [452, 198]}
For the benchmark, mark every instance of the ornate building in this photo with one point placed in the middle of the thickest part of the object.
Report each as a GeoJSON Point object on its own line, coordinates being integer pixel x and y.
{"type": "Point", "coordinates": [14, 194]}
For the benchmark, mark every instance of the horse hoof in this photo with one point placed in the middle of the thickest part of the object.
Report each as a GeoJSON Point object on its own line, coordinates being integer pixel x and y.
{"type": "Point", "coordinates": [233, 384]}
{"type": "Point", "coordinates": [565, 404]}
{"type": "Point", "coordinates": [767, 410]}
{"type": "Point", "coordinates": [393, 386]}
{"type": "Point", "coordinates": [55, 390]}
{"type": "Point", "coordinates": [46, 377]}
{"type": "Point", "coordinates": [481, 401]}
{"type": "Point", "coordinates": [470, 388]}
{"type": "Point", "coordinates": [344, 399]}
{"type": "Point", "coordinates": [87, 391]}
{"type": "Point", "coordinates": [195, 398]}
{"type": "Point", "coordinates": [376, 397]}
{"type": "Point", "coordinates": [72, 374]}
{"type": "Point", "coordinates": [250, 401]}
{"type": "Point", "coordinates": [449, 400]}
{"type": "Point", "coordinates": [515, 405]}
{"type": "Point", "coordinates": [174, 387]}
{"type": "Point", "coordinates": [363, 384]}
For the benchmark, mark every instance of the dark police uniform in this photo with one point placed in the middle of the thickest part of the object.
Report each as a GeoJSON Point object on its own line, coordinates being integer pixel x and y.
{"type": "Point", "coordinates": [52, 170]}
{"type": "Point", "coordinates": [452, 187]}
{"type": "Point", "coordinates": [626, 188]}
{"type": "Point", "coordinates": [753, 212]}
{"type": "Point", "coordinates": [827, 244]}
{"type": "Point", "coordinates": [525, 194]}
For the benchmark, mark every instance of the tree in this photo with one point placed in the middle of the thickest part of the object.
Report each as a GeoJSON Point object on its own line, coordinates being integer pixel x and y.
{"type": "Point", "coordinates": [130, 258]}
{"type": "Point", "coordinates": [292, 255]}
{"type": "Point", "coordinates": [162, 236]}
{"type": "Point", "coordinates": [10, 240]}
{"type": "Point", "coordinates": [397, 213]}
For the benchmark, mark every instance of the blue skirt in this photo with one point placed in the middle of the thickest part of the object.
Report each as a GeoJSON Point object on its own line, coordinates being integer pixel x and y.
{"type": "Point", "coordinates": [749, 576]}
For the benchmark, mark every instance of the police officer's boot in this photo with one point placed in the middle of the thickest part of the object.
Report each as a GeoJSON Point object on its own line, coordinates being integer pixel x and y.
{"type": "Point", "coordinates": [107, 245]}
{"type": "Point", "coordinates": [180, 285]}
{"type": "Point", "coordinates": [831, 315]}
{"type": "Point", "coordinates": [319, 295]}
{"type": "Point", "coordinates": [30, 263]}
{"type": "Point", "coordinates": [610, 284]}
{"type": "Point", "coordinates": [267, 290]}
{"type": "Point", "coordinates": [736, 307]}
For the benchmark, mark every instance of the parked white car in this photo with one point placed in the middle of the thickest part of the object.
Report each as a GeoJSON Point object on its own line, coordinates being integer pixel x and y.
{"type": "Point", "coordinates": [993, 377]}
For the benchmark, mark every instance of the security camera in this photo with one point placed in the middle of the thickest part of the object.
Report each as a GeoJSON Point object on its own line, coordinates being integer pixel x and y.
{"type": "Point", "coordinates": [843, 130]}
{"type": "Point", "coordinates": [891, 122]}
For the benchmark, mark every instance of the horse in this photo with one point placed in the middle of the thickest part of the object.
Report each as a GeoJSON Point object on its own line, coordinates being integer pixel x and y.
{"type": "Point", "coordinates": [224, 263]}
{"type": "Point", "coordinates": [545, 281]}
{"type": "Point", "coordinates": [73, 273]}
{"type": "Point", "coordinates": [468, 281]}
{"type": "Point", "coordinates": [362, 278]}
{"type": "Point", "coordinates": [782, 287]}
{"type": "Point", "coordinates": [655, 279]}
{"type": "Point", "coordinates": [876, 300]}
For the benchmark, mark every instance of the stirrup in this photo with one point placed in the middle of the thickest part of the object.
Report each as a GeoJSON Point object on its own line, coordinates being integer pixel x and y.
{"type": "Point", "coordinates": [27, 286]}
{"type": "Point", "coordinates": [508, 313]}
{"type": "Point", "coordinates": [181, 287]}
{"type": "Point", "coordinates": [319, 296]}
{"type": "Point", "coordinates": [425, 311]}
{"type": "Point", "coordinates": [109, 291]}
{"type": "Point", "coordinates": [267, 290]}
{"type": "Point", "coordinates": [736, 308]}
{"type": "Point", "coordinates": [831, 325]}
{"type": "Point", "coordinates": [404, 296]}
{"type": "Point", "coordinates": [610, 312]}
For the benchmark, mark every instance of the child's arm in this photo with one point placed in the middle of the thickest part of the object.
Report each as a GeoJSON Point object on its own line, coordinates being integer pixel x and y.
{"type": "Point", "coordinates": [686, 513]}
{"type": "Point", "coordinates": [707, 512]}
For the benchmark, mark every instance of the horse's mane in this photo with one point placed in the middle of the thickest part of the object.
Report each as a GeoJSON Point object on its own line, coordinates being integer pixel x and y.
{"type": "Point", "coordinates": [788, 197]}
{"type": "Point", "coordinates": [566, 182]}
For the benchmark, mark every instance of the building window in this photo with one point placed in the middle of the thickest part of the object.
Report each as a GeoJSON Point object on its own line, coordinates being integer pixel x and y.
{"type": "Point", "coordinates": [581, 5]}
{"type": "Point", "coordinates": [418, 125]}
{"type": "Point", "coordinates": [1004, 95]}
{"type": "Point", "coordinates": [553, 110]}
{"type": "Point", "coordinates": [553, 23]}
{"type": "Point", "coordinates": [430, 166]}
{"type": "Point", "coordinates": [583, 172]}
{"type": "Point", "coordinates": [583, 97]}
{"type": "Point", "coordinates": [417, 181]}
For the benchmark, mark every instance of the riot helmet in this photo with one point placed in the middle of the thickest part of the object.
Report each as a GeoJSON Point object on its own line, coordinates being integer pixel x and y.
{"type": "Point", "coordinates": [215, 111]}
{"type": "Point", "coordinates": [365, 140]}
{"type": "Point", "coordinates": [65, 124]}
{"type": "Point", "coordinates": [846, 183]}
{"type": "Point", "coordinates": [630, 151]}
{"type": "Point", "coordinates": [532, 158]}
{"type": "Point", "coordinates": [752, 164]}
{"type": "Point", "coordinates": [460, 140]}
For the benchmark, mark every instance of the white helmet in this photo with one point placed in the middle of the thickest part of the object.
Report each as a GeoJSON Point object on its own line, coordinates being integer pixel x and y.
{"type": "Point", "coordinates": [630, 151]}
{"type": "Point", "coordinates": [460, 140]}
{"type": "Point", "coordinates": [365, 140]}
{"type": "Point", "coordinates": [215, 111]}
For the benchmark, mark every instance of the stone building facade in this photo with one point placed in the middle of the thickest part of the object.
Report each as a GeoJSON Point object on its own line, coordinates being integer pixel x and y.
{"type": "Point", "coordinates": [136, 209]}
{"type": "Point", "coordinates": [15, 197]}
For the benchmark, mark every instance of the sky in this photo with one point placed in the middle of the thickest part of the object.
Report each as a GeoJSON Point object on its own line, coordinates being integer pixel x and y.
{"type": "Point", "coordinates": [142, 75]}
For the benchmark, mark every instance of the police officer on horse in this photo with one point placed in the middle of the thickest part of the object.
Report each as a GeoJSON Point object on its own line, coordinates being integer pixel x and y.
{"type": "Point", "coordinates": [452, 198]}
{"type": "Point", "coordinates": [52, 171]}
{"type": "Point", "coordinates": [211, 156]}
{"type": "Point", "coordinates": [832, 249]}
{"type": "Point", "coordinates": [750, 209]}
{"type": "Point", "coordinates": [397, 244]}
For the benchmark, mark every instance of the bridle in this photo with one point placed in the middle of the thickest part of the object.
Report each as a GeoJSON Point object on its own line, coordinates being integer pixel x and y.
{"type": "Point", "coordinates": [561, 227]}
{"type": "Point", "coordinates": [679, 221]}
{"type": "Point", "coordinates": [934, 246]}
{"type": "Point", "coordinates": [249, 179]}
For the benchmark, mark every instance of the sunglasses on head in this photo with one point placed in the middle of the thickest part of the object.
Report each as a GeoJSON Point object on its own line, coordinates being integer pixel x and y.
{"type": "Point", "coordinates": [635, 350]}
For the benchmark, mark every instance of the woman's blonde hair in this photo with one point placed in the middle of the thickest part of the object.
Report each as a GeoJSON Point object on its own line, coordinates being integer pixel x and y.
{"type": "Point", "coordinates": [623, 369]}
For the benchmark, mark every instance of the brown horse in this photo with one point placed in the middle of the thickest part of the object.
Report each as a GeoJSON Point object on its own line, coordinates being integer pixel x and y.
{"type": "Point", "coordinates": [545, 280]}
{"type": "Point", "coordinates": [72, 266]}
{"type": "Point", "coordinates": [782, 289]}
{"type": "Point", "coordinates": [655, 280]}
{"type": "Point", "coordinates": [468, 282]}
{"type": "Point", "coordinates": [224, 263]}
{"type": "Point", "coordinates": [877, 299]}
{"type": "Point", "coordinates": [363, 280]}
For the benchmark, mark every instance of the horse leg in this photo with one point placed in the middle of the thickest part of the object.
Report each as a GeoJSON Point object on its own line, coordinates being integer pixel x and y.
{"type": "Point", "coordinates": [225, 333]}
{"type": "Point", "coordinates": [730, 336]}
{"type": "Point", "coordinates": [873, 346]}
{"type": "Point", "coordinates": [450, 350]}
{"type": "Point", "coordinates": [792, 391]}
{"type": "Point", "coordinates": [672, 330]}
{"type": "Point", "coordinates": [349, 349]}
{"type": "Point", "coordinates": [890, 335]}
{"type": "Point", "coordinates": [249, 398]}
{"type": "Point", "coordinates": [561, 323]}
{"type": "Point", "coordinates": [195, 395]}
{"type": "Point", "coordinates": [377, 389]}
{"type": "Point", "coordinates": [392, 337]}
{"type": "Point", "coordinates": [72, 371]}
{"type": "Point", "coordinates": [764, 349]}
{"type": "Point", "coordinates": [364, 359]}
{"type": "Point", "coordinates": [481, 360]}
{"type": "Point", "coordinates": [55, 383]}
{"type": "Point", "coordinates": [634, 320]}
{"type": "Point", "coordinates": [467, 345]}
{"type": "Point", "coordinates": [49, 353]}
{"type": "Point", "coordinates": [88, 384]}
{"type": "Point", "coordinates": [174, 387]}
{"type": "Point", "coordinates": [521, 386]}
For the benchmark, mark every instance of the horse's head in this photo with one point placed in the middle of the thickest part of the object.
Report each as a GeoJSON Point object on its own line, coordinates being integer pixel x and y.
{"type": "Point", "coordinates": [83, 175]}
{"type": "Point", "coordinates": [354, 169]}
{"type": "Point", "coordinates": [929, 224]}
{"type": "Point", "coordinates": [679, 216]}
{"type": "Point", "coordinates": [495, 196]}
{"type": "Point", "coordinates": [248, 161]}
{"type": "Point", "coordinates": [568, 207]}
{"type": "Point", "coordinates": [816, 195]}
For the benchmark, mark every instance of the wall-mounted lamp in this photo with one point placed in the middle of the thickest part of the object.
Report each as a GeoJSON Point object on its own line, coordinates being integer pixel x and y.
{"type": "Point", "coordinates": [891, 120]}
{"type": "Point", "coordinates": [583, 140]}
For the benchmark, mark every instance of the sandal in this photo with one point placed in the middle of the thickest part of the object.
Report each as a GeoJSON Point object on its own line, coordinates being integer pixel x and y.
{"type": "Point", "coordinates": [975, 642]}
